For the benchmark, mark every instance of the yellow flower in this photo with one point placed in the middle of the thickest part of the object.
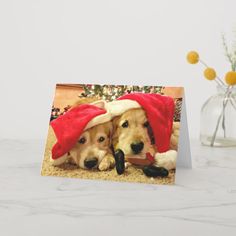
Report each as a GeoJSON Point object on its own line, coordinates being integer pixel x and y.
{"type": "Point", "coordinates": [210, 73]}
{"type": "Point", "coordinates": [230, 78]}
{"type": "Point", "coordinates": [192, 57]}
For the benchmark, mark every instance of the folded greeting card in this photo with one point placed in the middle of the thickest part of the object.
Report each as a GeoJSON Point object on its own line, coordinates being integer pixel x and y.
{"type": "Point", "coordinates": [118, 133]}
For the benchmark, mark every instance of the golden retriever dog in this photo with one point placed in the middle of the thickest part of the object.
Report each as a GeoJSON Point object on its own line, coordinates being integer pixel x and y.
{"type": "Point", "coordinates": [133, 135]}
{"type": "Point", "coordinates": [92, 151]}
{"type": "Point", "coordinates": [93, 148]}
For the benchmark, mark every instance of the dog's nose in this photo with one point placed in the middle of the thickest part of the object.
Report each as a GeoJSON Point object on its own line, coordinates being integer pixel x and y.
{"type": "Point", "coordinates": [91, 162]}
{"type": "Point", "coordinates": [137, 147]}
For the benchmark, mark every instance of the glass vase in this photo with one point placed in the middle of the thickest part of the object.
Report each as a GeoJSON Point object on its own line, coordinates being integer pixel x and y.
{"type": "Point", "coordinates": [218, 119]}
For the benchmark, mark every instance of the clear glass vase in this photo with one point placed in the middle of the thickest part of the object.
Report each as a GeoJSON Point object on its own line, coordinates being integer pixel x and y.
{"type": "Point", "coordinates": [218, 119]}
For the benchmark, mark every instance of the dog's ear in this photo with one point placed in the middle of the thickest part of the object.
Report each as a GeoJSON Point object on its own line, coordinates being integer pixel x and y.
{"type": "Point", "coordinates": [150, 134]}
{"type": "Point", "coordinates": [86, 100]}
{"type": "Point", "coordinates": [73, 155]}
{"type": "Point", "coordinates": [99, 103]}
{"type": "Point", "coordinates": [110, 131]}
{"type": "Point", "coordinates": [115, 131]}
{"type": "Point", "coordinates": [115, 123]}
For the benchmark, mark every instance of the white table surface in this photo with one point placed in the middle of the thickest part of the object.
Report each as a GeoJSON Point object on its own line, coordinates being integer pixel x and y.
{"type": "Point", "coordinates": [203, 202]}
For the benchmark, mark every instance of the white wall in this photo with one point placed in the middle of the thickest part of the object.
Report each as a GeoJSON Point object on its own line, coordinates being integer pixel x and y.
{"type": "Point", "coordinates": [136, 42]}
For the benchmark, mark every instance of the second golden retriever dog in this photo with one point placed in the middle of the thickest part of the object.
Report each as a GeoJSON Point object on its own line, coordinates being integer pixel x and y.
{"type": "Point", "coordinates": [133, 135]}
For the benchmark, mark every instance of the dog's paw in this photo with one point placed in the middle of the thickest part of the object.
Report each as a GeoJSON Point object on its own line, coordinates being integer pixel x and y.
{"type": "Point", "coordinates": [107, 163]}
{"type": "Point", "coordinates": [104, 165]}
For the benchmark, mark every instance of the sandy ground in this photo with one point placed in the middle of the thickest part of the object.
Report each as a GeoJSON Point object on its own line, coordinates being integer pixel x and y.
{"type": "Point", "coordinates": [132, 174]}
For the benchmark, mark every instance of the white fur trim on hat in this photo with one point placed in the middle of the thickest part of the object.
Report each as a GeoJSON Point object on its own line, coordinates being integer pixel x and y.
{"type": "Point", "coordinates": [114, 108]}
{"type": "Point", "coordinates": [59, 160]}
{"type": "Point", "coordinates": [166, 159]}
{"type": "Point", "coordinates": [118, 107]}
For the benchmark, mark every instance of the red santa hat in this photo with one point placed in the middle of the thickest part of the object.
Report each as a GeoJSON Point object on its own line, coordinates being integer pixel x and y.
{"type": "Point", "coordinates": [159, 110]}
{"type": "Point", "coordinates": [69, 127]}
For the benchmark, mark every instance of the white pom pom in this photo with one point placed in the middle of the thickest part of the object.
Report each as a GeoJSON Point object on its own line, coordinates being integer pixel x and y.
{"type": "Point", "coordinates": [166, 159]}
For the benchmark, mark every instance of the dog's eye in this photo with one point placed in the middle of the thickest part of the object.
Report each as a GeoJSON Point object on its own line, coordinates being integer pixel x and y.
{"type": "Point", "coordinates": [125, 124]}
{"type": "Point", "coordinates": [101, 139]}
{"type": "Point", "coordinates": [146, 124]}
{"type": "Point", "coordinates": [82, 140]}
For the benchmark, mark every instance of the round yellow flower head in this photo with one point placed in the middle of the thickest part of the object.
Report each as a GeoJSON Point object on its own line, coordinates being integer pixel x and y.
{"type": "Point", "coordinates": [193, 57]}
{"type": "Point", "coordinates": [230, 78]}
{"type": "Point", "coordinates": [210, 73]}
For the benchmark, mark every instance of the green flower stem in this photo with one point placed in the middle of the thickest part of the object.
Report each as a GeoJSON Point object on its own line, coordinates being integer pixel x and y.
{"type": "Point", "coordinates": [225, 102]}
{"type": "Point", "coordinates": [233, 105]}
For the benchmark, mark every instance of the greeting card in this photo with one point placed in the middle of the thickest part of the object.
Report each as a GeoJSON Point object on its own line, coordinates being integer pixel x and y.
{"type": "Point", "coordinates": [117, 133]}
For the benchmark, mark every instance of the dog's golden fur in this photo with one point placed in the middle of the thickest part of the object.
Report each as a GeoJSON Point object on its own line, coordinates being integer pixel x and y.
{"type": "Point", "coordinates": [136, 131]}
{"type": "Point", "coordinates": [113, 133]}
{"type": "Point", "coordinates": [96, 145]}
{"type": "Point", "coordinates": [84, 100]}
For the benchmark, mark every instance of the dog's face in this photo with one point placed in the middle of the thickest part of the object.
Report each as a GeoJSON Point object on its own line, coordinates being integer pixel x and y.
{"type": "Point", "coordinates": [132, 133]}
{"type": "Point", "coordinates": [92, 146]}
